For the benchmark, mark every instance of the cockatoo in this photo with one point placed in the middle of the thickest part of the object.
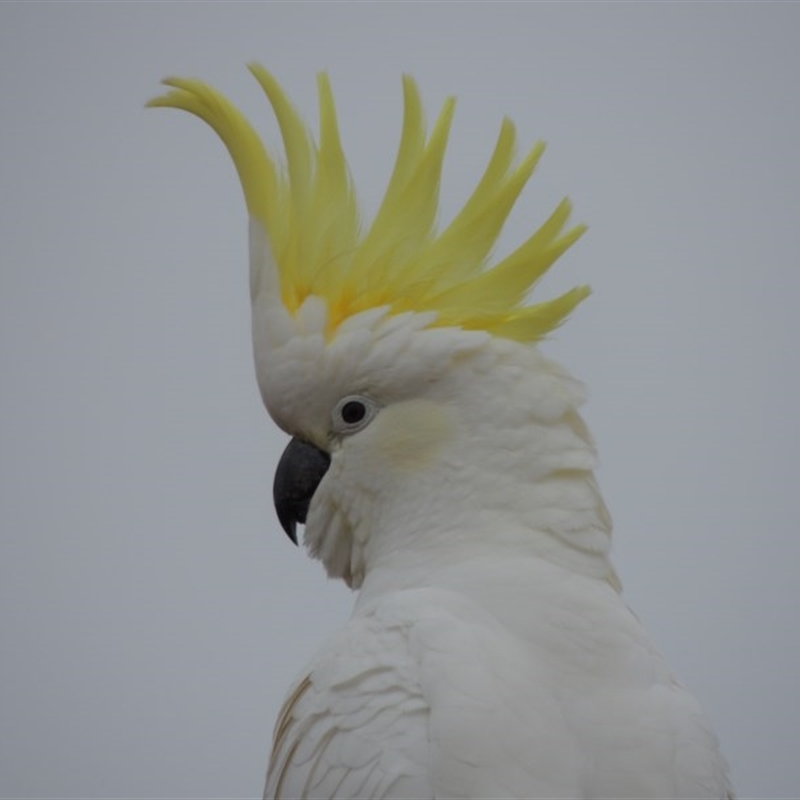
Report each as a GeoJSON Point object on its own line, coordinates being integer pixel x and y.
{"type": "Point", "coordinates": [441, 469]}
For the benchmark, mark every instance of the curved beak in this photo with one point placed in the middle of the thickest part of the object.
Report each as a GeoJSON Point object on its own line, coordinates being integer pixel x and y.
{"type": "Point", "coordinates": [300, 470]}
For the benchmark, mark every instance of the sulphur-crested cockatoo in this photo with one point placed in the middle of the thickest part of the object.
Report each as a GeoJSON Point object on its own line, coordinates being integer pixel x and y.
{"type": "Point", "coordinates": [441, 468]}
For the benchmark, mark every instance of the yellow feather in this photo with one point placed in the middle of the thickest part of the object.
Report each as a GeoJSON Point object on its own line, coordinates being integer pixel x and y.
{"type": "Point", "coordinates": [461, 250]}
{"type": "Point", "coordinates": [296, 140]}
{"type": "Point", "coordinates": [312, 220]}
{"type": "Point", "coordinates": [256, 172]}
{"type": "Point", "coordinates": [335, 209]}
{"type": "Point", "coordinates": [534, 322]}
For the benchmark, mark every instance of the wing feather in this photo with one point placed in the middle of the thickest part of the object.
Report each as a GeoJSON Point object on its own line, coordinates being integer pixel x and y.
{"type": "Point", "coordinates": [425, 694]}
{"type": "Point", "coordinates": [354, 725]}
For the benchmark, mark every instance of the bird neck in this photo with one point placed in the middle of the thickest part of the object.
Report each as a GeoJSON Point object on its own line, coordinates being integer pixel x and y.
{"type": "Point", "coordinates": [536, 500]}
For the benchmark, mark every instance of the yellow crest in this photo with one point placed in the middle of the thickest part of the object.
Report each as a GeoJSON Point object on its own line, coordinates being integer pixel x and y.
{"type": "Point", "coordinates": [308, 209]}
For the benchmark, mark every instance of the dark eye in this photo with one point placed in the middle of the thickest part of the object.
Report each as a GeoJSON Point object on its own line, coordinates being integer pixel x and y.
{"type": "Point", "coordinates": [353, 413]}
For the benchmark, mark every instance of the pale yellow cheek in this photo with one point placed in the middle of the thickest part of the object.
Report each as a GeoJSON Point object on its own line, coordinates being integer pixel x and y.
{"type": "Point", "coordinates": [410, 435]}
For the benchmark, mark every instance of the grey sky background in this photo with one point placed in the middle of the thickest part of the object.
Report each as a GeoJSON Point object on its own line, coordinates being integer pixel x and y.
{"type": "Point", "coordinates": [152, 613]}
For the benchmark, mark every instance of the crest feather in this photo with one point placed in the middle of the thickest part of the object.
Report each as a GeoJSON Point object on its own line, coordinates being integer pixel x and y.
{"type": "Point", "coordinates": [308, 209]}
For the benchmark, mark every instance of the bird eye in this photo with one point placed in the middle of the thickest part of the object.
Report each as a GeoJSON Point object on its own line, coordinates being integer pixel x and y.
{"type": "Point", "coordinates": [353, 413]}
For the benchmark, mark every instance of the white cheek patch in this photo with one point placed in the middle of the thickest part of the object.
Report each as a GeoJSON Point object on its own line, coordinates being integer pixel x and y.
{"type": "Point", "coordinates": [410, 435]}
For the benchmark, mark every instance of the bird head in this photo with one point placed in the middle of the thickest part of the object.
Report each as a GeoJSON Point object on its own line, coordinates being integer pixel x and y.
{"type": "Point", "coordinates": [404, 364]}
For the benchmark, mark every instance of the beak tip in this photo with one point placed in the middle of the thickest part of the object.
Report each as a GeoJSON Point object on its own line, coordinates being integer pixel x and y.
{"type": "Point", "coordinates": [290, 526]}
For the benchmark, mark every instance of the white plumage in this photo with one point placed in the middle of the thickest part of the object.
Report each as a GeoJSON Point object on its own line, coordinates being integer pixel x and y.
{"type": "Point", "coordinates": [490, 653]}
{"type": "Point", "coordinates": [442, 469]}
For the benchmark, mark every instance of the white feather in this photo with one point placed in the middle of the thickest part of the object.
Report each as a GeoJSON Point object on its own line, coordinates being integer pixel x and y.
{"type": "Point", "coordinates": [490, 653]}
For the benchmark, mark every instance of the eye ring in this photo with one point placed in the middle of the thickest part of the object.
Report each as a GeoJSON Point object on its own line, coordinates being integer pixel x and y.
{"type": "Point", "coordinates": [353, 413]}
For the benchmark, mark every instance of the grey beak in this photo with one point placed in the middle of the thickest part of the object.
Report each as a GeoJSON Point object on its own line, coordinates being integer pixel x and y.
{"type": "Point", "coordinates": [300, 470]}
